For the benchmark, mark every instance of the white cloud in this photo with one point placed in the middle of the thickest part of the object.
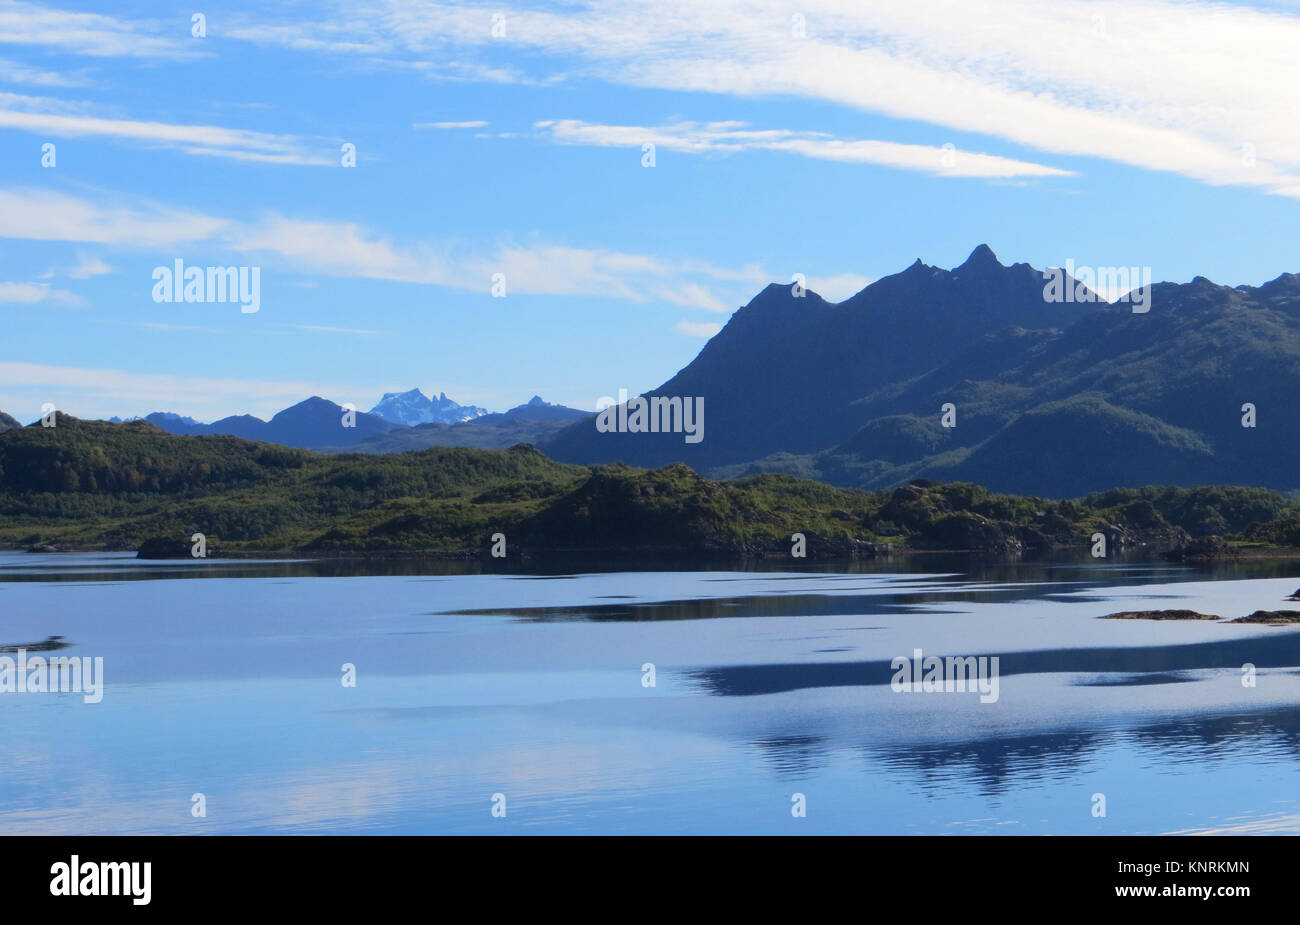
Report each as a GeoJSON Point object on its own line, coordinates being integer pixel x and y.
{"type": "Point", "coordinates": [341, 36]}
{"type": "Point", "coordinates": [1169, 85]}
{"type": "Point", "coordinates": [325, 329]}
{"type": "Point", "coordinates": [559, 270]}
{"type": "Point", "coordinates": [348, 250]}
{"type": "Point", "coordinates": [693, 295]}
{"type": "Point", "coordinates": [18, 73]}
{"type": "Point", "coordinates": [91, 34]}
{"type": "Point", "coordinates": [44, 215]}
{"type": "Point", "coordinates": [34, 293]}
{"type": "Point", "coordinates": [188, 328]}
{"type": "Point", "coordinates": [838, 287]}
{"type": "Point", "coordinates": [86, 392]}
{"type": "Point", "coordinates": [24, 293]}
{"type": "Point", "coordinates": [731, 137]}
{"type": "Point", "coordinates": [60, 119]}
{"type": "Point", "coordinates": [705, 329]}
{"type": "Point", "coordinates": [88, 267]}
{"type": "Point", "coordinates": [341, 249]}
{"type": "Point", "coordinates": [446, 125]}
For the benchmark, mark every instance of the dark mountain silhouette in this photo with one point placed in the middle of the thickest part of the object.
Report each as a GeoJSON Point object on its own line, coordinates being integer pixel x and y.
{"type": "Point", "coordinates": [169, 421]}
{"type": "Point", "coordinates": [310, 423]}
{"type": "Point", "coordinates": [537, 410]}
{"type": "Point", "coordinates": [532, 423]}
{"type": "Point", "coordinates": [8, 423]}
{"type": "Point", "coordinates": [317, 424]}
{"type": "Point", "coordinates": [1054, 399]}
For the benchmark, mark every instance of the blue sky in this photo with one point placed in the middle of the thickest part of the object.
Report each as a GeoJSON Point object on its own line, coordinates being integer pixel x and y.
{"type": "Point", "coordinates": [789, 138]}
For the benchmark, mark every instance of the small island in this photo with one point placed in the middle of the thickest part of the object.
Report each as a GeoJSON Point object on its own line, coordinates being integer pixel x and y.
{"type": "Point", "coordinates": [1160, 615]}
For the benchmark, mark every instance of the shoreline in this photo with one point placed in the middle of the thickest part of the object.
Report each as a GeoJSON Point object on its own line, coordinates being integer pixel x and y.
{"type": "Point", "coordinates": [858, 551]}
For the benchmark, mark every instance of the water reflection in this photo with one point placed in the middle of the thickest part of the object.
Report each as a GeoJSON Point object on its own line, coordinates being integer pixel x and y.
{"type": "Point", "coordinates": [794, 756]}
{"type": "Point", "coordinates": [998, 764]}
{"type": "Point", "coordinates": [993, 765]}
{"type": "Point", "coordinates": [232, 686]}
{"type": "Point", "coordinates": [1128, 665]}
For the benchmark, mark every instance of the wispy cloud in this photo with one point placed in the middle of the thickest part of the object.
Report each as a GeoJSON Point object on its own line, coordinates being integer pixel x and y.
{"type": "Point", "coordinates": [340, 36]}
{"type": "Point", "coordinates": [36, 293]}
{"type": "Point", "coordinates": [91, 34]}
{"type": "Point", "coordinates": [187, 328]}
{"type": "Point", "coordinates": [348, 249]}
{"type": "Point", "coordinates": [732, 137]}
{"type": "Point", "coordinates": [326, 329]}
{"type": "Point", "coordinates": [88, 267]}
{"type": "Point", "coordinates": [839, 287]}
{"type": "Point", "coordinates": [45, 215]}
{"type": "Point", "coordinates": [693, 295]}
{"type": "Point", "coordinates": [1182, 86]}
{"type": "Point", "coordinates": [61, 119]}
{"type": "Point", "coordinates": [86, 391]}
{"type": "Point", "coordinates": [448, 125]}
{"type": "Point", "coordinates": [17, 73]}
{"type": "Point", "coordinates": [705, 329]}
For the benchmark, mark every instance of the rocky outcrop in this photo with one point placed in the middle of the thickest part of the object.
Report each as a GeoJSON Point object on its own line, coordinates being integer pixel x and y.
{"type": "Point", "coordinates": [1203, 547]}
{"type": "Point", "coordinates": [164, 547]}
{"type": "Point", "coordinates": [912, 507]}
{"type": "Point", "coordinates": [964, 530]}
{"type": "Point", "coordinates": [1158, 539]}
{"type": "Point", "coordinates": [818, 547]}
{"type": "Point", "coordinates": [1271, 617]}
{"type": "Point", "coordinates": [1159, 615]}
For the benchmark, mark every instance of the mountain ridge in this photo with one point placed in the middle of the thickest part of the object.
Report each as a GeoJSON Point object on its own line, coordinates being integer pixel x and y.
{"type": "Point", "coordinates": [319, 424]}
{"type": "Point", "coordinates": [1044, 397]}
{"type": "Point", "coordinates": [854, 393]}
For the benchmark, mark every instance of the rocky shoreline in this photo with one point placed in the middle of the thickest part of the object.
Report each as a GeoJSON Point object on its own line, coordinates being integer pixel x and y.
{"type": "Point", "coordinates": [971, 537]}
{"type": "Point", "coordinates": [1263, 617]}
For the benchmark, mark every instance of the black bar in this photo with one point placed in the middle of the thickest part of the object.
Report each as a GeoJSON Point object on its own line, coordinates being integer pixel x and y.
{"type": "Point", "coordinates": [336, 874]}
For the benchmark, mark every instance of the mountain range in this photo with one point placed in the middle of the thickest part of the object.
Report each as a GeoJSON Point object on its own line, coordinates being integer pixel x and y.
{"type": "Point", "coordinates": [304, 425]}
{"type": "Point", "coordinates": [1054, 399]}
{"type": "Point", "coordinates": [533, 422]}
{"type": "Point", "coordinates": [318, 424]}
{"type": "Point", "coordinates": [969, 374]}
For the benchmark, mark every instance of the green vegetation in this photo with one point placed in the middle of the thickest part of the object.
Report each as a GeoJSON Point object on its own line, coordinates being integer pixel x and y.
{"type": "Point", "coordinates": [98, 485]}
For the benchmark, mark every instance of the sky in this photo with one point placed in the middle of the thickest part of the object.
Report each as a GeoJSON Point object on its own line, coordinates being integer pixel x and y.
{"type": "Point", "coordinates": [383, 166]}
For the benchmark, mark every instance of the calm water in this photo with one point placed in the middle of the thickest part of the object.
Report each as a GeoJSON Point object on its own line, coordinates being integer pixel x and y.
{"type": "Point", "coordinates": [224, 678]}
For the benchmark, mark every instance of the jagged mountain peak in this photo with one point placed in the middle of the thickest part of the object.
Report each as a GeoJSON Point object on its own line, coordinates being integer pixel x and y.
{"type": "Point", "coordinates": [981, 256]}
{"type": "Point", "coordinates": [785, 372]}
{"type": "Point", "coordinates": [410, 393]}
{"type": "Point", "coordinates": [1042, 374]}
{"type": "Point", "coordinates": [413, 407]}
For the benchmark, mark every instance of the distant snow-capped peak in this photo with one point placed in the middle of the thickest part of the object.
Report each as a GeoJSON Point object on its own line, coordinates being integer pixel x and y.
{"type": "Point", "coordinates": [414, 407]}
